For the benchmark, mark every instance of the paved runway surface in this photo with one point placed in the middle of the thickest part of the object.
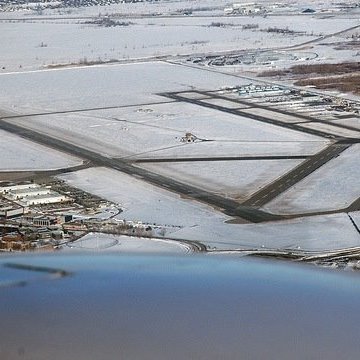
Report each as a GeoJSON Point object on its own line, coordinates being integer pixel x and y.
{"type": "Point", "coordinates": [249, 209]}
{"type": "Point", "coordinates": [230, 207]}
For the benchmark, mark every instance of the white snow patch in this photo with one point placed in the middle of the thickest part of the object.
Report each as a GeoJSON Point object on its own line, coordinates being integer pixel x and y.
{"type": "Point", "coordinates": [356, 218]}
{"type": "Point", "coordinates": [69, 41]}
{"type": "Point", "coordinates": [241, 148]}
{"type": "Point", "coordinates": [142, 201]}
{"type": "Point", "coordinates": [316, 233]}
{"type": "Point", "coordinates": [102, 86]}
{"type": "Point", "coordinates": [234, 179]}
{"type": "Point", "coordinates": [202, 223]}
{"type": "Point", "coordinates": [18, 154]}
{"type": "Point", "coordinates": [333, 186]}
{"type": "Point", "coordinates": [96, 242]}
{"type": "Point", "coordinates": [148, 129]}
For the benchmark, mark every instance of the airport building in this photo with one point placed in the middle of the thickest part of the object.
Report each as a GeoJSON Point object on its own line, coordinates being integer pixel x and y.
{"type": "Point", "coordinates": [49, 198]}
{"type": "Point", "coordinates": [40, 220]}
{"type": "Point", "coordinates": [10, 210]}
{"type": "Point", "coordinates": [7, 187]}
{"type": "Point", "coordinates": [17, 194]}
{"type": "Point", "coordinates": [27, 194]}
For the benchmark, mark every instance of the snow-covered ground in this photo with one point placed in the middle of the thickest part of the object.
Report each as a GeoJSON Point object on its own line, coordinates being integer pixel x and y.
{"type": "Point", "coordinates": [102, 86]}
{"type": "Point", "coordinates": [96, 242]}
{"type": "Point", "coordinates": [110, 109]}
{"type": "Point", "coordinates": [233, 179]}
{"type": "Point", "coordinates": [150, 130]}
{"type": "Point", "coordinates": [202, 223]}
{"type": "Point", "coordinates": [333, 186]}
{"type": "Point", "coordinates": [139, 8]}
{"type": "Point", "coordinates": [50, 42]}
{"type": "Point", "coordinates": [127, 133]}
{"type": "Point", "coordinates": [142, 201]}
{"type": "Point", "coordinates": [354, 122]}
{"type": "Point", "coordinates": [236, 148]}
{"type": "Point", "coordinates": [165, 7]}
{"type": "Point", "coordinates": [332, 129]}
{"type": "Point", "coordinates": [316, 233]}
{"type": "Point", "coordinates": [356, 218]}
{"type": "Point", "coordinates": [18, 154]}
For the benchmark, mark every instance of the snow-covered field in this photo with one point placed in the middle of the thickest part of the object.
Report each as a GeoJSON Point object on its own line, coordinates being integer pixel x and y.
{"type": "Point", "coordinates": [316, 233]}
{"type": "Point", "coordinates": [356, 217]}
{"type": "Point", "coordinates": [332, 129]}
{"type": "Point", "coordinates": [155, 130]}
{"type": "Point", "coordinates": [354, 122]}
{"type": "Point", "coordinates": [236, 148]}
{"type": "Point", "coordinates": [233, 179]}
{"type": "Point", "coordinates": [102, 86]}
{"type": "Point", "coordinates": [139, 8]}
{"type": "Point", "coordinates": [333, 186]}
{"type": "Point", "coordinates": [51, 42]}
{"type": "Point", "coordinates": [142, 201]}
{"type": "Point", "coordinates": [148, 130]}
{"type": "Point", "coordinates": [18, 154]}
{"type": "Point", "coordinates": [96, 242]}
{"type": "Point", "coordinates": [202, 223]}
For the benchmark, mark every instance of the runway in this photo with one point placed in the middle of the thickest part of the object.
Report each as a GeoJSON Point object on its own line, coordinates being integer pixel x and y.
{"type": "Point", "coordinates": [229, 206]}
{"type": "Point", "coordinates": [249, 209]}
{"type": "Point", "coordinates": [280, 185]}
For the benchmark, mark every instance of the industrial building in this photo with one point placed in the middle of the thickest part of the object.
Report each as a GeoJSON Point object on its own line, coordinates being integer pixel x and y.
{"type": "Point", "coordinates": [244, 9]}
{"type": "Point", "coordinates": [30, 192]}
{"type": "Point", "coordinates": [27, 194]}
{"type": "Point", "coordinates": [9, 209]}
{"type": "Point", "coordinates": [50, 198]}
{"type": "Point", "coordinates": [7, 187]}
{"type": "Point", "coordinates": [40, 220]}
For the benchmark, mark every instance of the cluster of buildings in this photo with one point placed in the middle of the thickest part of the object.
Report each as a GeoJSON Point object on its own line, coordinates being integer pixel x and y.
{"type": "Point", "coordinates": [39, 6]}
{"type": "Point", "coordinates": [23, 226]}
{"type": "Point", "coordinates": [245, 9]}
{"type": "Point", "coordinates": [9, 209]}
{"type": "Point", "coordinates": [36, 217]}
{"type": "Point", "coordinates": [296, 101]}
{"type": "Point", "coordinates": [30, 232]}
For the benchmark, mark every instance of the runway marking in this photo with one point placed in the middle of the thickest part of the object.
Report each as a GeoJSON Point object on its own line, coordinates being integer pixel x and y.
{"type": "Point", "coordinates": [274, 189]}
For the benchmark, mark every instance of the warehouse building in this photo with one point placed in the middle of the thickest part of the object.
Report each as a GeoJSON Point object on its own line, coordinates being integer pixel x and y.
{"type": "Point", "coordinates": [7, 187]}
{"type": "Point", "coordinates": [50, 198]}
{"type": "Point", "coordinates": [28, 194]}
{"type": "Point", "coordinates": [40, 220]}
{"type": "Point", "coordinates": [9, 210]}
